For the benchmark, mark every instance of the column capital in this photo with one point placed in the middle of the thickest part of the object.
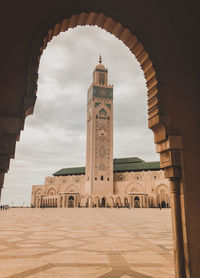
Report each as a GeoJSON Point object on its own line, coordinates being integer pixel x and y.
{"type": "Point", "coordinates": [171, 156]}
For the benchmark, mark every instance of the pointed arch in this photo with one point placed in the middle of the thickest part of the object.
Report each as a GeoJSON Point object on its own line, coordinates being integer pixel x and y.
{"type": "Point", "coordinates": [61, 24]}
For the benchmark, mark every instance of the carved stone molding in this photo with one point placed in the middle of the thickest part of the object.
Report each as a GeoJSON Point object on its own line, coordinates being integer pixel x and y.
{"type": "Point", "coordinates": [171, 156]}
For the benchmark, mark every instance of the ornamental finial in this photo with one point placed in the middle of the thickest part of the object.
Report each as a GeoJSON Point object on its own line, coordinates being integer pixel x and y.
{"type": "Point", "coordinates": [100, 60]}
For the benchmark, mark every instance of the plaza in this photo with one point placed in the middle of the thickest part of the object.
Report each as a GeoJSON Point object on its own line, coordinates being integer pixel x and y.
{"type": "Point", "coordinates": [87, 242]}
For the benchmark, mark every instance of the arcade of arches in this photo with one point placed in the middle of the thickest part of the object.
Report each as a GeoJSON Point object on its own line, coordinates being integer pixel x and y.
{"type": "Point", "coordinates": [146, 189]}
{"type": "Point", "coordinates": [163, 35]}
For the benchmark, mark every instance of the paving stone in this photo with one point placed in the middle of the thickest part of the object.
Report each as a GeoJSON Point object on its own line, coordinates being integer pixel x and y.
{"type": "Point", "coordinates": [86, 243]}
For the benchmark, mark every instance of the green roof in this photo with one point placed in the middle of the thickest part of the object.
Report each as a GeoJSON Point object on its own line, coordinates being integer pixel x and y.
{"type": "Point", "coordinates": [120, 165]}
{"type": "Point", "coordinates": [141, 166]}
{"type": "Point", "coordinates": [127, 160]}
{"type": "Point", "coordinates": [70, 171]}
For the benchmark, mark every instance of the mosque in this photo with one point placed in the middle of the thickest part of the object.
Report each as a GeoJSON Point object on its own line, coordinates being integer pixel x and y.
{"type": "Point", "coordinates": [104, 182]}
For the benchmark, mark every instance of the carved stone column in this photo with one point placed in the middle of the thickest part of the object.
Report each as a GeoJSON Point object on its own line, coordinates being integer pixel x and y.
{"type": "Point", "coordinates": [171, 161]}
{"type": "Point", "coordinates": [63, 201]}
{"type": "Point", "coordinates": [177, 227]}
{"type": "Point", "coordinates": [59, 201]}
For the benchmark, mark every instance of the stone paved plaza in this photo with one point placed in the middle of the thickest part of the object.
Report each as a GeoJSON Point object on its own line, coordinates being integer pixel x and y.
{"type": "Point", "coordinates": [87, 242]}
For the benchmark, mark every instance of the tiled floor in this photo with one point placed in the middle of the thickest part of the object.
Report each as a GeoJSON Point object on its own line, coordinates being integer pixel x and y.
{"type": "Point", "coordinates": [86, 243]}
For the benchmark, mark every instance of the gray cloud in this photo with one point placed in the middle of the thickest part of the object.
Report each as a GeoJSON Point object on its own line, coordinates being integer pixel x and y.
{"type": "Point", "coordinates": [55, 135]}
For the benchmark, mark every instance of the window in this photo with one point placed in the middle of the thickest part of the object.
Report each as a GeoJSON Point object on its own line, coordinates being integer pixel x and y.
{"type": "Point", "coordinates": [101, 78]}
{"type": "Point", "coordinates": [101, 178]}
{"type": "Point", "coordinates": [95, 178]}
{"type": "Point", "coordinates": [107, 179]}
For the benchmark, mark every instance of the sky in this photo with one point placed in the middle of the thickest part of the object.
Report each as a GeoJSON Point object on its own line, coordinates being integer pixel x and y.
{"type": "Point", "coordinates": [54, 137]}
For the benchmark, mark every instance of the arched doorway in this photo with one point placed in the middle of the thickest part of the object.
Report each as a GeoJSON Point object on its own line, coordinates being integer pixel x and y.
{"type": "Point", "coordinates": [163, 204]}
{"type": "Point", "coordinates": [103, 202]}
{"type": "Point", "coordinates": [71, 202]}
{"type": "Point", "coordinates": [136, 202]}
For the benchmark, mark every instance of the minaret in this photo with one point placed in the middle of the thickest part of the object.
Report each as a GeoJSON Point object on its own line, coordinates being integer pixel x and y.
{"type": "Point", "coordinates": [99, 153]}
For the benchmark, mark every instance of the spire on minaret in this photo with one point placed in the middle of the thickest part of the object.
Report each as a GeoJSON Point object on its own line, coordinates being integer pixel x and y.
{"type": "Point", "coordinates": [100, 60]}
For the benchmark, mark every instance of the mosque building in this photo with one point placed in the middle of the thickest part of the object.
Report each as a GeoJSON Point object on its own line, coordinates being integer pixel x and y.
{"type": "Point", "coordinates": [104, 182]}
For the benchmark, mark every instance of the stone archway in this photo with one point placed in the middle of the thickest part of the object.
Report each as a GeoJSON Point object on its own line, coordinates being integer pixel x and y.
{"type": "Point", "coordinates": [169, 143]}
{"type": "Point", "coordinates": [51, 191]}
{"type": "Point", "coordinates": [71, 201]}
{"type": "Point", "coordinates": [103, 202]}
{"type": "Point", "coordinates": [63, 23]}
{"type": "Point", "coordinates": [136, 202]}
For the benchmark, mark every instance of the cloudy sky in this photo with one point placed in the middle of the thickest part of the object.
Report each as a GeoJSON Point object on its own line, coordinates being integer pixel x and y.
{"type": "Point", "coordinates": [55, 135]}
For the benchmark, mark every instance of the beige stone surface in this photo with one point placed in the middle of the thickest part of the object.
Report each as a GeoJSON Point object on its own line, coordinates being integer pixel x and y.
{"type": "Point", "coordinates": [86, 243]}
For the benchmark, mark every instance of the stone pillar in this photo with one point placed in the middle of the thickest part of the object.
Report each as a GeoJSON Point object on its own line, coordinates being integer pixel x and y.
{"type": "Point", "coordinates": [139, 201]}
{"type": "Point", "coordinates": [177, 227]}
{"type": "Point", "coordinates": [59, 201]}
{"type": "Point", "coordinates": [90, 202]}
{"type": "Point", "coordinates": [63, 201]}
{"type": "Point", "coordinates": [171, 160]}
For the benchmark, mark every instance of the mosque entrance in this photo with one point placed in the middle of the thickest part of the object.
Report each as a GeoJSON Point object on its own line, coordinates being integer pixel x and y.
{"type": "Point", "coordinates": [71, 202]}
{"type": "Point", "coordinates": [136, 202]}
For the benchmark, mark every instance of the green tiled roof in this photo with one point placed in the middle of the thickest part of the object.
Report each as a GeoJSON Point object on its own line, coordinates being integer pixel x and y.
{"type": "Point", "coordinates": [70, 171]}
{"type": "Point", "coordinates": [127, 160]}
{"type": "Point", "coordinates": [141, 166]}
{"type": "Point", "coordinates": [120, 165]}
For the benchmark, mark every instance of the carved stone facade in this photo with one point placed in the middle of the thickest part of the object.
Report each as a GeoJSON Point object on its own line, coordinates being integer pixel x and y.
{"type": "Point", "coordinates": [130, 189]}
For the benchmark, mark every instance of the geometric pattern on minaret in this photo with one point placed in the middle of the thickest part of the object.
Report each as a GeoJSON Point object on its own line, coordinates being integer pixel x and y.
{"type": "Point", "coordinates": [99, 146]}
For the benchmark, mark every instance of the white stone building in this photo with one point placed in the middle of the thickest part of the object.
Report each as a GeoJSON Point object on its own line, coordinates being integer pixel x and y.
{"type": "Point", "coordinates": [124, 182]}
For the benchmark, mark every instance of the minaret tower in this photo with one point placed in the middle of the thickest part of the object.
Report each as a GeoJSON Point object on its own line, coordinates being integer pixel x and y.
{"type": "Point", "coordinates": [99, 154]}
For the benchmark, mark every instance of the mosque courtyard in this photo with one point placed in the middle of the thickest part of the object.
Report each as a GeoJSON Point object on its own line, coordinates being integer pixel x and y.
{"type": "Point", "coordinates": [86, 243]}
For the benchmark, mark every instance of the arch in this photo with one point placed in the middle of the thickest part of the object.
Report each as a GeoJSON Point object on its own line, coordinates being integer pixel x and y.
{"type": "Point", "coordinates": [163, 204]}
{"type": "Point", "coordinates": [162, 186]}
{"type": "Point", "coordinates": [62, 23]}
{"type": "Point", "coordinates": [38, 192]}
{"type": "Point", "coordinates": [136, 202]}
{"type": "Point", "coordinates": [70, 201]}
{"type": "Point", "coordinates": [71, 188]}
{"type": "Point", "coordinates": [118, 202]}
{"type": "Point", "coordinates": [103, 202]}
{"type": "Point", "coordinates": [51, 191]}
{"type": "Point", "coordinates": [134, 187]}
